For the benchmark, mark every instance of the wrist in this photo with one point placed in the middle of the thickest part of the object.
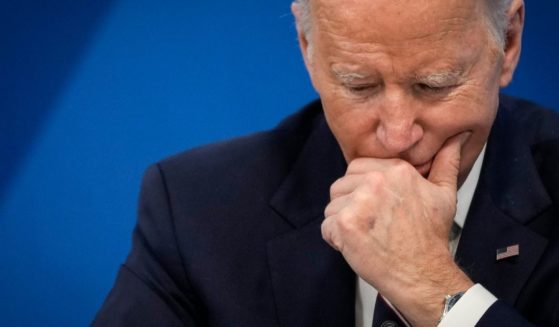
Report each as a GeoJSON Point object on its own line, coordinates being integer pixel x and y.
{"type": "Point", "coordinates": [449, 301]}
{"type": "Point", "coordinates": [426, 304]}
{"type": "Point", "coordinates": [452, 291]}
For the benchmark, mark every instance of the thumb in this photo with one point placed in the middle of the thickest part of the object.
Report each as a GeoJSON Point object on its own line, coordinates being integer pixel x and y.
{"type": "Point", "coordinates": [446, 164]}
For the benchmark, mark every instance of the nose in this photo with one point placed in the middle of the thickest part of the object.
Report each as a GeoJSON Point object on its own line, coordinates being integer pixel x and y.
{"type": "Point", "coordinates": [398, 129]}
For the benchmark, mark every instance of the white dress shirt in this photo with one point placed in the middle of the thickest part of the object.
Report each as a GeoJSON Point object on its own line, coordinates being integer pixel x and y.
{"type": "Point", "coordinates": [473, 304]}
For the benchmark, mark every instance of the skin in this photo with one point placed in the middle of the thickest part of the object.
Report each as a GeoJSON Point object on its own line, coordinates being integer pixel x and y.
{"type": "Point", "coordinates": [410, 91]}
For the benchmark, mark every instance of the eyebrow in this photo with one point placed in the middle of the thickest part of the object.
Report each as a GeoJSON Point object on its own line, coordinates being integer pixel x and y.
{"type": "Point", "coordinates": [443, 78]}
{"type": "Point", "coordinates": [348, 77]}
{"type": "Point", "coordinates": [440, 79]}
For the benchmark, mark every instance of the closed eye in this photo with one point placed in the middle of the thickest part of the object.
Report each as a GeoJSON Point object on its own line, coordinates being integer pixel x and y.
{"type": "Point", "coordinates": [426, 88]}
{"type": "Point", "coordinates": [360, 89]}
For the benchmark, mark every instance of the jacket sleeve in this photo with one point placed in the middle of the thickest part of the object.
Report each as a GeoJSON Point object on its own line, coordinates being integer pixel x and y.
{"type": "Point", "coordinates": [152, 288]}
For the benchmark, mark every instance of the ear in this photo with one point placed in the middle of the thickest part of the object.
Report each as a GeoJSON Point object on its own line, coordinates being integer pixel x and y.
{"type": "Point", "coordinates": [513, 39]}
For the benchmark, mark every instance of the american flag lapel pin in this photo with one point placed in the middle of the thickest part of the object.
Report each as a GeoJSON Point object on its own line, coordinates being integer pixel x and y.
{"type": "Point", "coordinates": [508, 252]}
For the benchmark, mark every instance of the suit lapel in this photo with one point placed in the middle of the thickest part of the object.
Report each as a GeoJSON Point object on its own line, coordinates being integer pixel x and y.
{"type": "Point", "coordinates": [312, 284]}
{"type": "Point", "coordinates": [488, 229]}
{"type": "Point", "coordinates": [509, 196]}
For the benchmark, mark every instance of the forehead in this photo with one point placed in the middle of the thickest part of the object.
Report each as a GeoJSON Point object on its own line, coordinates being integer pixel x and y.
{"type": "Point", "coordinates": [399, 37]}
{"type": "Point", "coordinates": [394, 22]}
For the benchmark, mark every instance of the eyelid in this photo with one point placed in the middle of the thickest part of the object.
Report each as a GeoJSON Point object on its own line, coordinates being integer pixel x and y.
{"type": "Point", "coordinates": [360, 87]}
{"type": "Point", "coordinates": [426, 88]}
{"type": "Point", "coordinates": [435, 86]}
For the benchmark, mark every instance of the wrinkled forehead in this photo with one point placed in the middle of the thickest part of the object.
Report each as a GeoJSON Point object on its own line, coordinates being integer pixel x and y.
{"type": "Point", "coordinates": [394, 20]}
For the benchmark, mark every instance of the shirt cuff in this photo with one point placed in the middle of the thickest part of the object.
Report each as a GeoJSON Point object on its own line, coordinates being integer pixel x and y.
{"type": "Point", "coordinates": [470, 308]}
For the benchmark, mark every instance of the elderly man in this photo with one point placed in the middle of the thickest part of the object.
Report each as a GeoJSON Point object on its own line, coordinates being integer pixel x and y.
{"type": "Point", "coordinates": [410, 195]}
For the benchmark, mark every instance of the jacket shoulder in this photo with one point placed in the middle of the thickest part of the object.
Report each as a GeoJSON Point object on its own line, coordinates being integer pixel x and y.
{"type": "Point", "coordinates": [537, 123]}
{"type": "Point", "coordinates": [273, 149]}
{"type": "Point", "coordinates": [539, 127]}
{"type": "Point", "coordinates": [247, 168]}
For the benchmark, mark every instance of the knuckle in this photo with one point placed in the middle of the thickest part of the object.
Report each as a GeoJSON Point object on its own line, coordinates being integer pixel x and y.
{"type": "Point", "coordinates": [334, 189]}
{"type": "Point", "coordinates": [402, 168]}
{"type": "Point", "coordinates": [356, 165]}
{"type": "Point", "coordinates": [363, 195]}
{"type": "Point", "coordinates": [345, 222]}
{"type": "Point", "coordinates": [374, 179]}
{"type": "Point", "coordinates": [330, 234]}
{"type": "Point", "coordinates": [328, 211]}
{"type": "Point", "coordinates": [325, 229]}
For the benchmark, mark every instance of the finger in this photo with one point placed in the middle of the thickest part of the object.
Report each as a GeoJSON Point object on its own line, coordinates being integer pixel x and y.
{"type": "Point", "coordinates": [336, 205]}
{"type": "Point", "coordinates": [361, 166]}
{"type": "Point", "coordinates": [446, 164]}
{"type": "Point", "coordinates": [345, 185]}
{"type": "Point", "coordinates": [328, 231]}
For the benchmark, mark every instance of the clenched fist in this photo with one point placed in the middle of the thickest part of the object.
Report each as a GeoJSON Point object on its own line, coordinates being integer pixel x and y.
{"type": "Point", "coordinates": [391, 225]}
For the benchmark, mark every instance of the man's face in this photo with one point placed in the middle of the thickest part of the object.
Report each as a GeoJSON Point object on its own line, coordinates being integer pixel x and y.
{"type": "Point", "coordinates": [397, 78]}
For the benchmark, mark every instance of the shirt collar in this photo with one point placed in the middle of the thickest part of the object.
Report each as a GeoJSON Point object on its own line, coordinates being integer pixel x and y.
{"type": "Point", "coordinates": [466, 191]}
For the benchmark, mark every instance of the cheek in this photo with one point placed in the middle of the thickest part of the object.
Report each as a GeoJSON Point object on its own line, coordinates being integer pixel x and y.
{"type": "Point", "coordinates": [471, 109]}
{"type": "Point", "coordinates": [469, 112]}
{"type": "Point", "coordinates": [351, 121]}
{"type": "Point", "coordinates": [352, 125]}
{"type": "Point", "coordinates": [475, 104]}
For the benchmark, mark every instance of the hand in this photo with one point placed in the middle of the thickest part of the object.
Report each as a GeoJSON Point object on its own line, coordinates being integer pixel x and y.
{"type": "Point", "coordinates": [392, 225]}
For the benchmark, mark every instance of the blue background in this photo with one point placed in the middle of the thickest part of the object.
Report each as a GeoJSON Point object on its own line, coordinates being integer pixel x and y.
{"type": "Point", "coordinates": [91, 92]}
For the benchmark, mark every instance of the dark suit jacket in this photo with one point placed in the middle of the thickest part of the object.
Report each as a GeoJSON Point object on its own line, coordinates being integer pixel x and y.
{"type": "Point", "coordinates": [229, 234]}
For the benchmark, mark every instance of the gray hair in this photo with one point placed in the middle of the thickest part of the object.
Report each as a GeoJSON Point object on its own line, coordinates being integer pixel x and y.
{"type": "Point", "coordinates": [496, 11]}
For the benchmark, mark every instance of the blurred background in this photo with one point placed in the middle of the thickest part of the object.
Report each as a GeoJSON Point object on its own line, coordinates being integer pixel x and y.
{"type": "Point", "coordinates": [92, 92]}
